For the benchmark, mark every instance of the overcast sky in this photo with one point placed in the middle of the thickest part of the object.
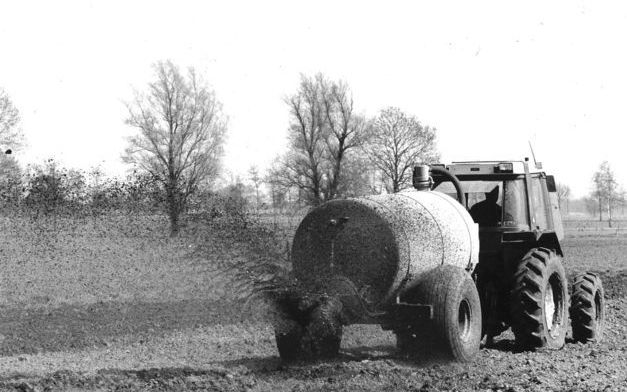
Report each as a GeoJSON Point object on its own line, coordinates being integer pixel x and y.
{"type": "Point", "coordinates": [490, 76]}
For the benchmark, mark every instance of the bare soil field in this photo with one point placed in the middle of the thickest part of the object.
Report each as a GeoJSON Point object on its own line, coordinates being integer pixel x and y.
{"type": "Point", "coordinates": [114, 305]}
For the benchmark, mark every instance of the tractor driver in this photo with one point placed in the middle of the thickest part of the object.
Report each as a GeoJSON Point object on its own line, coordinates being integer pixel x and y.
{"type": "Point", "coordinates": [487, 212]}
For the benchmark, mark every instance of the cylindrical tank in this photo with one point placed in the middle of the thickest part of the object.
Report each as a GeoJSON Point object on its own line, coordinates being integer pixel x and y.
{"type": "Point", "coordinates": [377, 246]}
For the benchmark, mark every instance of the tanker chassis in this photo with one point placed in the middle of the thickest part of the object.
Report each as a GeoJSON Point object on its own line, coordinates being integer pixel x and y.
{"type": "Point", "coordinates": [471, 251]}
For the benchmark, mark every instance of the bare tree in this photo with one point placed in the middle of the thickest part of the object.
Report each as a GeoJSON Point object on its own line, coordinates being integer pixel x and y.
{"type": "Point", "coordinates": [256, 179]}
{"type": "Point", "coordinates": [11, 136]}
{"type": "Point", "coordinates": [347, 130]}
{"type": "Point", "coordinates": [181, 131]}
{"type": "Point", "coordinates": [303, 163]}
{"type": "Point", "coordinates": [605, 190]}
{"type": "Point", "coordinates": [324, 129]}
{"type": "Point", "coordinates": [398, 142]}
{"type": "Point", "coordinates": [279, 192]}
{"type": "Point", "coordinates": [597, 193]}
{"type": "Point", "coordinates": [563, 195]}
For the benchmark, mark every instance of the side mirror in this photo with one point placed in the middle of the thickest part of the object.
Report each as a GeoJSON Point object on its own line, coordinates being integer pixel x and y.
{"type": "Point", "coordinates": [550, 184]}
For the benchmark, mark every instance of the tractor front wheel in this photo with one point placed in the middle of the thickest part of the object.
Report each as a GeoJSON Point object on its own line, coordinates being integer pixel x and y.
{"type": "Point", "coordinates": [587, 310]}
{"type": "Point", "coordinates": [540, 301]}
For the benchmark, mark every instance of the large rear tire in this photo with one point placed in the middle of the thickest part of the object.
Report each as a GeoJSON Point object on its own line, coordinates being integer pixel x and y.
{"type": "Point", "coordinates": [587, 310]}
{"type": "Point", "coordinates": [456, 326]}
{"type": "Point", "coordinates": [540, 301]}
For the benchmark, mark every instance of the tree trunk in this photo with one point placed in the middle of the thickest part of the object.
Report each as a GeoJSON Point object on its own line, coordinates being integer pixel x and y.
{"type": "Point", "coordinates": [257, 198]}
{"type": "Point", "coordinates": [337, 169]}
{"type": "Point", "coordinates": [395, 186]}
{"type": "Point", "coordinates": [174, 208]}
{"type": "Point", "coordinates": [174, 222]}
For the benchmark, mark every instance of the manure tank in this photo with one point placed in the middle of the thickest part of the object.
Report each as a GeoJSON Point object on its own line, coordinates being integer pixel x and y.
{"type": "Point", "coordinates": [372, 249]}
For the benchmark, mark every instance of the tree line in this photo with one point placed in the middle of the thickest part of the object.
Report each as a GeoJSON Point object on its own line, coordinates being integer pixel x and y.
{"type": "Point", "coordinates": [180, 129]}
{"type": "Point", "coordinates": [606, 195]}
{"type": "Point", "coordinates": [335, 151]}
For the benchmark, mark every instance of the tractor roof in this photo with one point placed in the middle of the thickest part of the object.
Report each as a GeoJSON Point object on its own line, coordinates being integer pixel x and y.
{"type": "Point", "coordinates": [481, 168]}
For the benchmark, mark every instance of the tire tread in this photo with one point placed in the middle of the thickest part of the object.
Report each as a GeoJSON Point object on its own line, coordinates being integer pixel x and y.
{"type": "Point", "coordinates": [527, 299]}
{"type": "Point", "coordinates": [584, 322]}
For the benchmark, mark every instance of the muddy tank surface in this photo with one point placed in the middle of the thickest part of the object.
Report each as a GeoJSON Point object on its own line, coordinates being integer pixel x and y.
{"type": "Point", "coordinates": [375, 247]}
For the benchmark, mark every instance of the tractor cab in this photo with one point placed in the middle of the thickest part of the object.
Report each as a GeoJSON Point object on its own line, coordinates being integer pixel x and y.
{"type": "Point", "coordinates": [518, 215]}
{"type": "Point", "coordinates": [507, 200]}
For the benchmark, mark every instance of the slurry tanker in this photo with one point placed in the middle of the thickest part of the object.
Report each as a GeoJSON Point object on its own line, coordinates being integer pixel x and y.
{"type": "Point", "coordinates": [472, 250]}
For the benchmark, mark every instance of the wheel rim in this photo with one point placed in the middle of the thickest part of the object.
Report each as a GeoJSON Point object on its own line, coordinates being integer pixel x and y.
{"type": "Point", "coordinates": [463, 320]}
{"type": "Point", "coordinates": [554, 305]}
{"type": "Point", "coordinates": [549, 306]}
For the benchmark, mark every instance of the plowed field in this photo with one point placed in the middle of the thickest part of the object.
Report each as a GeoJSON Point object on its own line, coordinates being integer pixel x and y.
{"type": "Point", "coordinates": [135, 313]}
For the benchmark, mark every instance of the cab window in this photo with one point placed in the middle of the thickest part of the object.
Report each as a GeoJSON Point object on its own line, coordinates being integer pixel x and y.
{"type": "Point", "coordinates": [515, 200]}
{"type": "Point", "coordinates": [484, 200]}
{"type": "Point", "coordinates": [539, 204]}
{"type": "Point", "coordinates": [493, 203]}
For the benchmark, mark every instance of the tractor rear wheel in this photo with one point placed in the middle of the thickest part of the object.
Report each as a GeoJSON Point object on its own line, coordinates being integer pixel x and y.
{"type": "Point", "coordinates": [587, 309]}
{"type": "Point", "coordinates": [455, 329]}
{"type": "Point", "coordinates": [540, 301]}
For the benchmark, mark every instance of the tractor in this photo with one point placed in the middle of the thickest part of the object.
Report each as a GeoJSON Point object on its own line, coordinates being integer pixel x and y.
{"type": "Point", "coordinates": [472, 250]}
